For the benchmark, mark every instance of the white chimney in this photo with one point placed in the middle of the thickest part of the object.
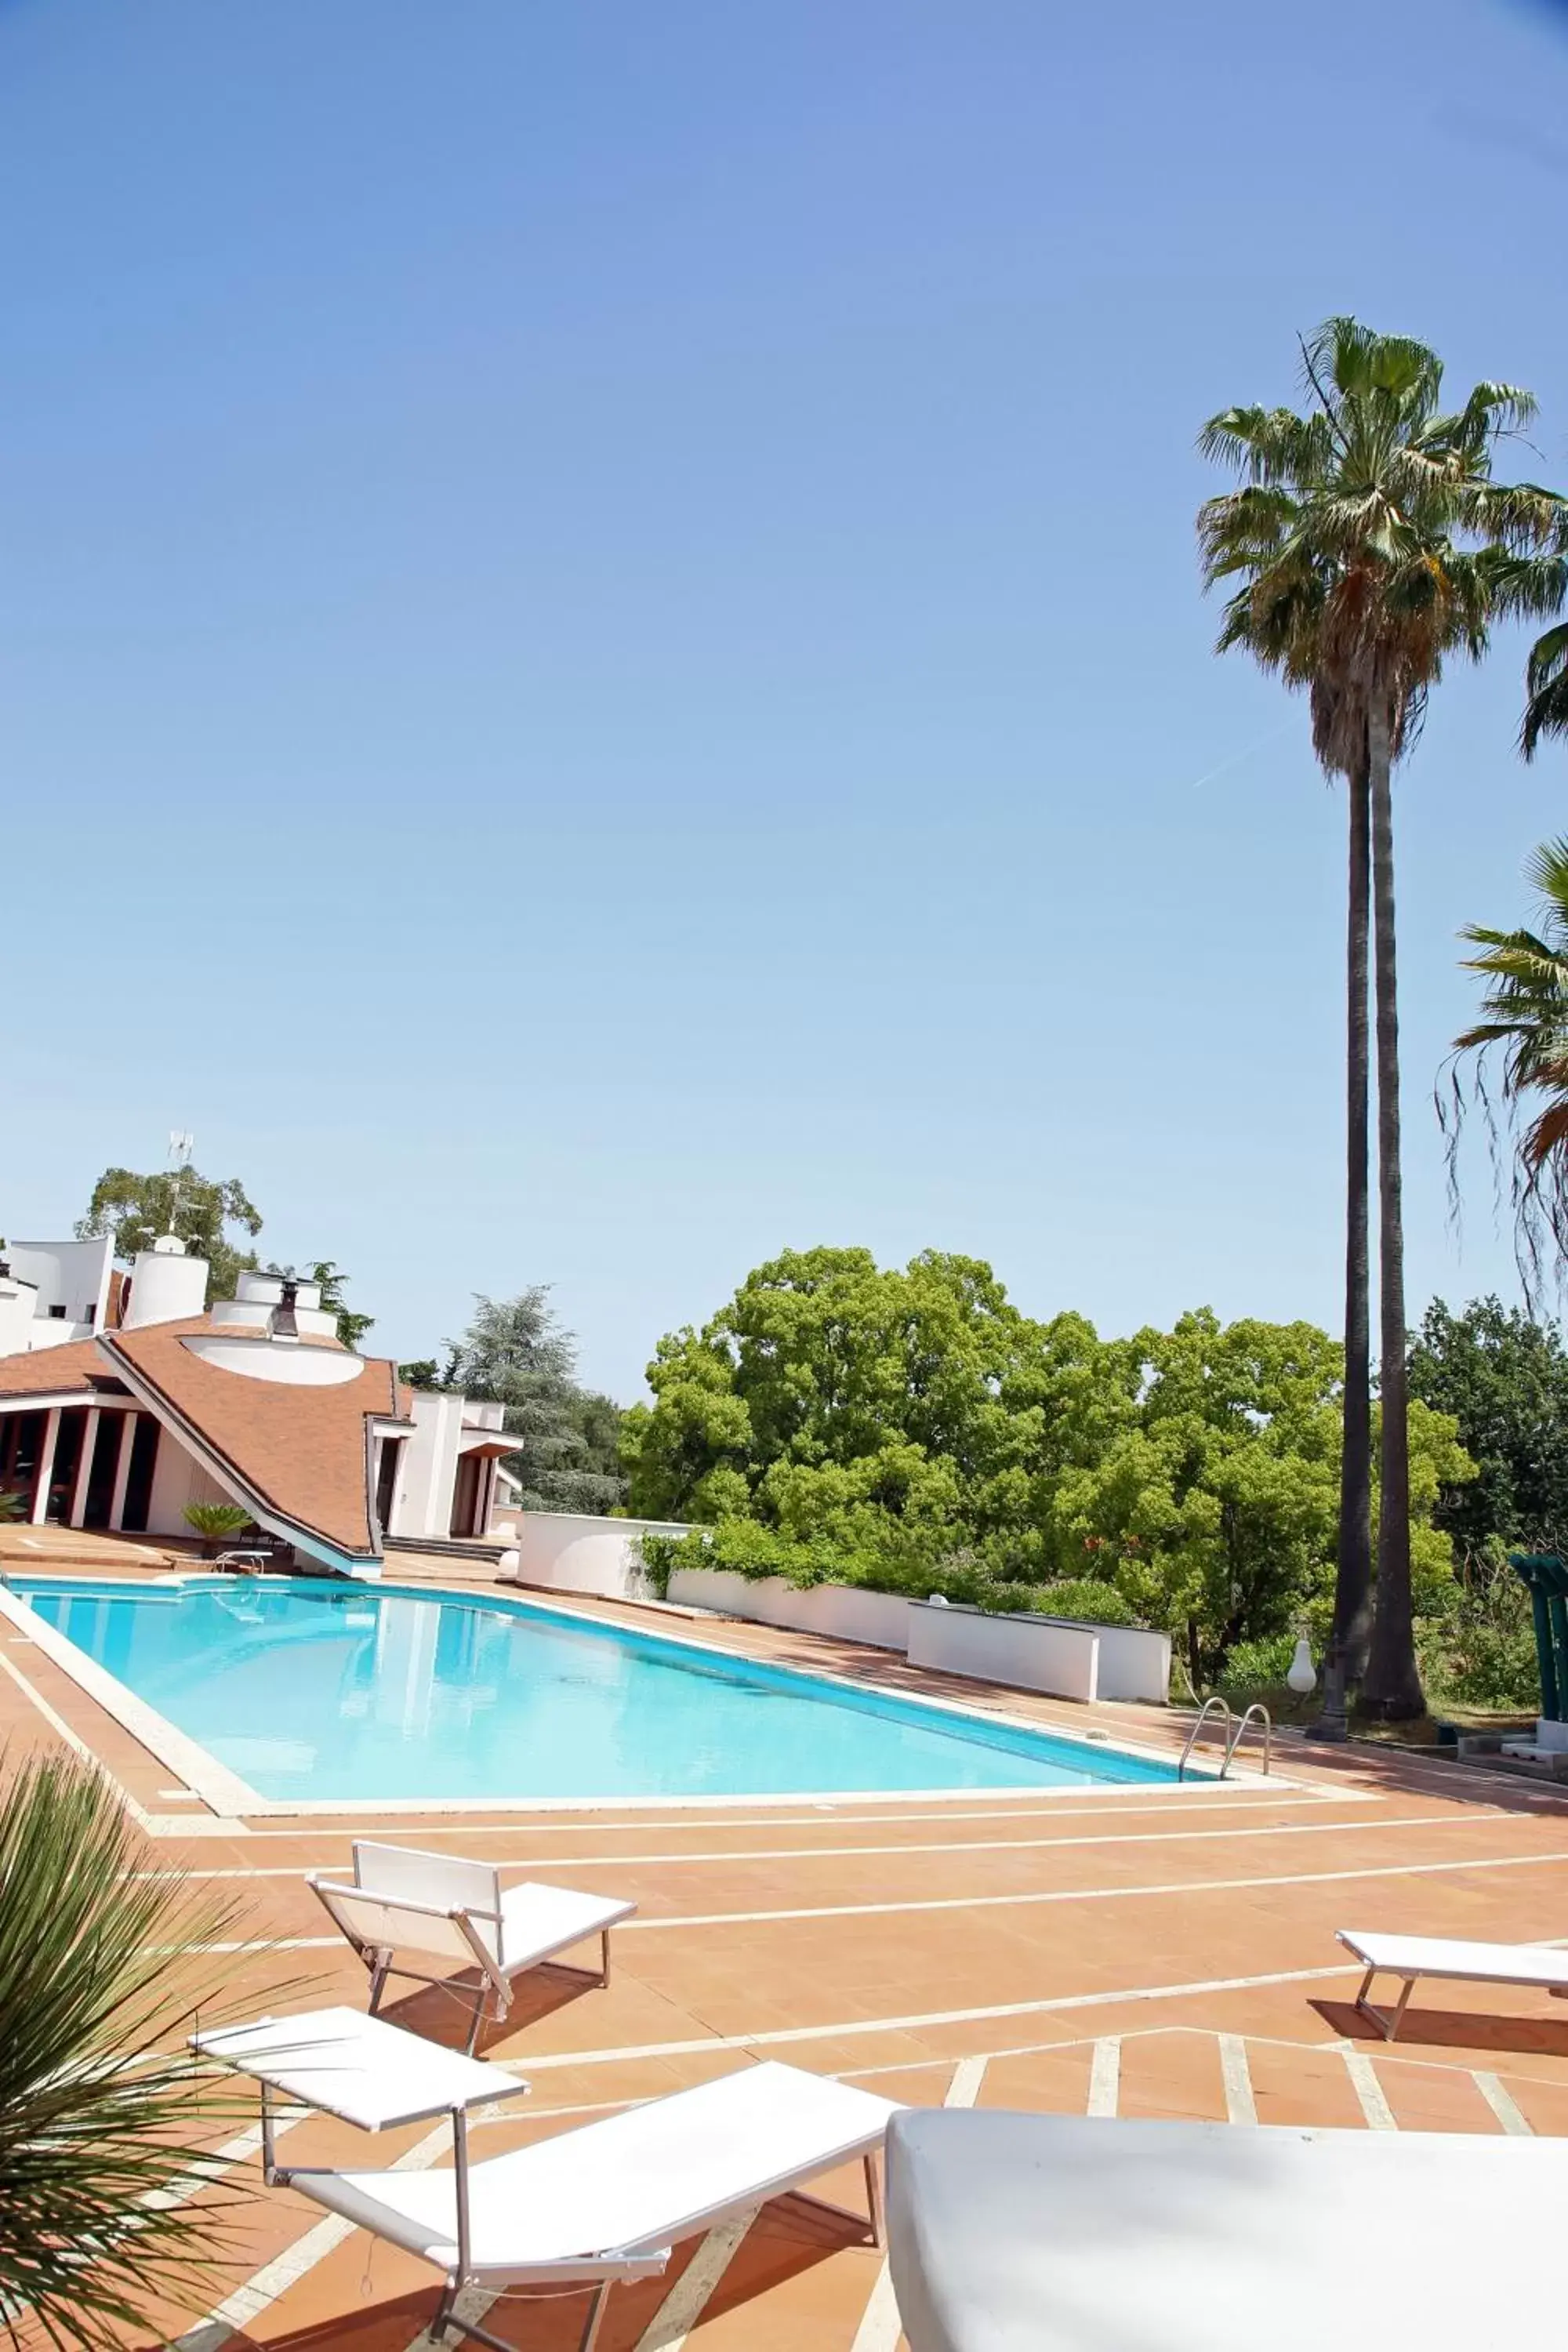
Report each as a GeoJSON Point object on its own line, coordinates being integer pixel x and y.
{"type": "Point", "coordinates": [165, 1285]}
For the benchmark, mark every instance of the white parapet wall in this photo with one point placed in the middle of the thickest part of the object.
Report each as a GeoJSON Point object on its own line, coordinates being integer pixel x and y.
{"type": "Point", "coordinates": [847, 1611]}
{"type": "Point", "coordinates": [1040, 1654]}
{"type": "Point", "coordinates": [575, 1551]}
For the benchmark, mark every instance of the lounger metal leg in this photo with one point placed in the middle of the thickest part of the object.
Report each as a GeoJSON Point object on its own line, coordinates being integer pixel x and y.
{"type": "Point", "coordinates": [1394, 2022]}
{"type": "Point", "coordinates": [1388, 2022]}
{"type": "Point", "coordinates": [604, 1956]}
{"type": "Point", "coordinates": [874, 2202]}
{"type": "Point", "coordinates": [380, 1970]}
{"type": "Point", "coordinates": [590, 2335]}
{"type": "Point", "coordinates": [479, 2018]}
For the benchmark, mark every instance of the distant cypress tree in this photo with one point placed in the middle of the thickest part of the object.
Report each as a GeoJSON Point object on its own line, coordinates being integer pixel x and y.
{"type": "Point", "coordinates": [515, 1354]}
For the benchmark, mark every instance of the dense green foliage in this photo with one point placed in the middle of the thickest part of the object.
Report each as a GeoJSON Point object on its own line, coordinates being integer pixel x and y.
{"type": "Point", "coordinates": [1503, 1379]}
{"type": "Point", "coordinates": [516, 1353]}
{"type": "Point", "coordinates": [903, 1427]}
{"type": "Point", "coordinates": [99, 2109]}
{"type": "Point", "coordinates": [137, 1209]}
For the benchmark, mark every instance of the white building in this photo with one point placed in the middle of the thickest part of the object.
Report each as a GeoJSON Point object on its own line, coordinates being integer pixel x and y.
{"type": "Point", "coordinates": [123, 1399]}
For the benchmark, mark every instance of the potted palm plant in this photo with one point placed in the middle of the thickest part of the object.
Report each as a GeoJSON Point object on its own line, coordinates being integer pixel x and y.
{"type": "Point", "coordinates": [216, 1523]}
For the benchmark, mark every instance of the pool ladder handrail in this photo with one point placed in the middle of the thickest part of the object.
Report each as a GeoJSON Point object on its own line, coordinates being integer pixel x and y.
{"type": "Point", "coordinates": [1213, 1700]}
{"type": "Point", "coordinates": [1259, 1710]}
{"type": "Point", "coordinates": [1234, 1725]}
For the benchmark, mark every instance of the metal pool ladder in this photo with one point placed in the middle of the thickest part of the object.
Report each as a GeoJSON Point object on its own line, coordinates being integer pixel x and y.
{"type": "Point", "coordinates": [1234, 1728]}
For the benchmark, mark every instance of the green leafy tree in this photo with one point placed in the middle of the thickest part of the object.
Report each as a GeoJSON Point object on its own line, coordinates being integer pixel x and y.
{"type": "Point", "coordinates": [100, 2112]}
{"type": "Point", "coordinates": [1369, 542]}
{"type": "Point", "coordinates": [905, 1408]}
{"type": "Point", "coordinates": [516, 1353]}
{"type": "Point", "coordinates": [1522, 1035]}
{"type": "Point", "coordinates": [137, 1210]}
{"type": "Point", "coordinates": [424, 1372]}
{"type": "Point", "coordinates": [1503, 1379]}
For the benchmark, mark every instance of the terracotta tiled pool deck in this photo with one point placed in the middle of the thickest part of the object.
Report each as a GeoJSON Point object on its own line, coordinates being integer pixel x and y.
{"type": "Point", "coordinates": [1140, 1952]}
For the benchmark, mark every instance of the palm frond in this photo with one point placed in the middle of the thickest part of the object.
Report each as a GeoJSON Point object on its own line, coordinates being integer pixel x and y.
{"type": "Point", "coordinates": [107, 2130]}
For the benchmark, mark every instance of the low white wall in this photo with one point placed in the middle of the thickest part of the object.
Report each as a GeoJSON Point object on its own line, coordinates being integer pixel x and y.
{"type": "Point", "coordinates": [1134, 1664]}
{"type": "Point", "coordinates": [880, 1620]}
{"type": "Point", "coordinates": [575, 1551]}
{"type": "Point", "coordinates": [1030, 1652]}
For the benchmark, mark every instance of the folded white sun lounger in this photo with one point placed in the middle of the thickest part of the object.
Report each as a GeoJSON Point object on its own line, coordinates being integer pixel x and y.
{"type": "Point", "coordinates": [610, 2200]}
{"type": "Point", "coordinates": [1540, 1966]}
{"type": "Point", "coordinates": [444, 1908]}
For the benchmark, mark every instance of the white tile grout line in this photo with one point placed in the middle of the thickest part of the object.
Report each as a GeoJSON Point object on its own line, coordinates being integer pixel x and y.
{"type": "Point", "coordinates": [683, 2307]}
{"type": "Point", "coordinates": [1184, 1888]}
{"type": "Point", "coordinates": [1240, 2106]}
{"type": "Point", "coordinates": [918, 1848]}
{"type": "Point", "coordinates": [1369, 2091]}
{"type": "Point", "coordinates": [831, 1813]}
{"type": "Point", "coordinates": [1502, 2103]}
{"type": "Point", "coordinates": [881, 2327]}
{"type": "Point", "coordinates": [1105, 2077]}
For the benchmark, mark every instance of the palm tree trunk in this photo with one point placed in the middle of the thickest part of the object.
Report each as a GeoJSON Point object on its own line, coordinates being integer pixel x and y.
{"type": "Point", "coordinates": [1352, 1584]}
{"type": "Point", "coordinates": [1392, 1687]}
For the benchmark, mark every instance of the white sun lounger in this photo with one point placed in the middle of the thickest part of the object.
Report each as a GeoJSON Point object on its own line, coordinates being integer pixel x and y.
{"type": "Point", "coordinates": [446, 1908]}
{"type": "Point", "coordinates": [610, 2200]}
{"type": "Point", "coordinates": [1068, 2233]}
{"type": "Point", "coordinates": [1540, 1966]}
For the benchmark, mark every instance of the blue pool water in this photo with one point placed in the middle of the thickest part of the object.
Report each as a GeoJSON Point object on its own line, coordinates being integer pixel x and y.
{"type": "Point", "coordinates": [320, 1691]}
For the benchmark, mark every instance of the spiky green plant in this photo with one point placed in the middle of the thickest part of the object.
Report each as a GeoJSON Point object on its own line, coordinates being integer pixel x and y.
{"type": "Point", "coordinates": [214, 1522]}
{"type": "Point", "coordinates": [106, 2124]}
{"type": "Point", "coordinates": [12, 1504]}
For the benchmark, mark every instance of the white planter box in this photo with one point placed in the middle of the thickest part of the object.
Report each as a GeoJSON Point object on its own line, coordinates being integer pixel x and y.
{"type": "Point", "coordinates": [1031, 1653]}
{"type": "Point", "coordinates": [846, 1612]}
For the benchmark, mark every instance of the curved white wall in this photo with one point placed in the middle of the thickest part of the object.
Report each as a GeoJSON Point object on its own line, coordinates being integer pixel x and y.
{"type": "Point", "coordinates": [273, 1359]}
{"type": "Point", "coordinates": [164, 1288]}
{"type": "Point", "coordinates": [575, 1552]}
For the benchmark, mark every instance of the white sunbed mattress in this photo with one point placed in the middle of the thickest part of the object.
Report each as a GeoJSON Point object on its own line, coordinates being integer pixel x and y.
{"type": "Point", "coordinates": [1056, 2233]}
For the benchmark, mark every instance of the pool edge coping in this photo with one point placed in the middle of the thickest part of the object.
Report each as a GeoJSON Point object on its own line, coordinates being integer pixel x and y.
{"type": "Point", "coordinates": [230, 1797]}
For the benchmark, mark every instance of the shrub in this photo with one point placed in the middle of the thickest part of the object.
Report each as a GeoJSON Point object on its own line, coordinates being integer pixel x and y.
{"type": "Point", "coordinates": [746, 1549]}
{"type": "Point", "coordinates": [1258, 1665]}
{"type": "Point", "coordinates": [1083, 1597]}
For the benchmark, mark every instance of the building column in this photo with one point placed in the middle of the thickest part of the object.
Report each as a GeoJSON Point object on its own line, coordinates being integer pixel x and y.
{"type": "Point", "coordinates": [45, 1469]}
{"type": "Point", "coordinates": [83, 1469]}
{"type": "Point", "coordinates": [123, 1471]}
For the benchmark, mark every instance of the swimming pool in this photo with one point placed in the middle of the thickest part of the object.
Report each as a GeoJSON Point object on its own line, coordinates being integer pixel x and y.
{"type": "Point", "coordinates": [310, 1692]}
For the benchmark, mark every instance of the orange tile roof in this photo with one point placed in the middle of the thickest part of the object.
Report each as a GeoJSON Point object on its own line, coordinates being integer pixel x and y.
{"type": "Point", "coordinates": [302, 1450]}
{"type": "Point", "coordinates": [45, 1371]}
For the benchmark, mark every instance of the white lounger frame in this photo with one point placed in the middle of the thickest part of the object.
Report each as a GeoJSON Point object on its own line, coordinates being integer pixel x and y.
{"type": "Point", "coordinates": [598, 2269]}
{"type": "Point", "coordinates": [1409, 1973]}
{"type": "Point", "coordinates": [446, 1907]}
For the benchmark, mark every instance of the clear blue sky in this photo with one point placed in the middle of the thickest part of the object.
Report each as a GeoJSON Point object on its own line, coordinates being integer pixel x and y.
{"type": "Point", "coordinates": [601, 666]}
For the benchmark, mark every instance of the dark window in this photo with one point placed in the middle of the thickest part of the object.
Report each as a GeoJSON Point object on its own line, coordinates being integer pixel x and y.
{"type": "Point", "coordinates": [21, 1436]}
{"type": "Point", "coordinates": [465, 1495]}
{"type": "Point", "coordinates": [387, 1480]}
{"type": "Point", "coordinates": [63, 1469]}
{"type": "Point", "coordinates": [100, 1477]}
{"type": "Point", "coordinates": [139, 1485]}
{"type": "Point", "coordinates": [56, 1314]}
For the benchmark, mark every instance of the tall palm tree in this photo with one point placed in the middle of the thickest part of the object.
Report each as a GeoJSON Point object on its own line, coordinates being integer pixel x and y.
{"type": "Point", "coordinates": [1524, 1019]}
{"type": "Point", "coordinates": [1367, 541]}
